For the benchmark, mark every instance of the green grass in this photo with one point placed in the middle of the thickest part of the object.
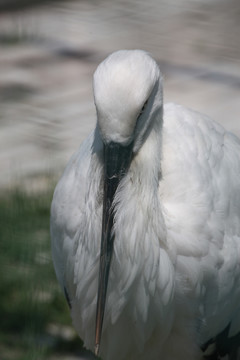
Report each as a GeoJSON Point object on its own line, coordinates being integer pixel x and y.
{"type": "Point", "coordinates": [31, 303]}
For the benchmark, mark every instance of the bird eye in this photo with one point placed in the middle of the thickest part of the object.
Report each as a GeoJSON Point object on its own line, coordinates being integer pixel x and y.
{"type": "Point", "coordinates": [143, 108]}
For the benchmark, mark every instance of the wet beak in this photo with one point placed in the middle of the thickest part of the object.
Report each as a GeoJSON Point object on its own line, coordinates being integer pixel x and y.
{"type": "Point", "coordinates": [117, 159]}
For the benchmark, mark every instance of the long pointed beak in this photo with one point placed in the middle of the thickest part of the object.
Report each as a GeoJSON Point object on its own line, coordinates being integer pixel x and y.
{"type": "Point", "coordinates": [117, 159]}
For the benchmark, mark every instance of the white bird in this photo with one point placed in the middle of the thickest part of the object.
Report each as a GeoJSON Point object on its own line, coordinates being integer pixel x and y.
{"type": "Point", "coordinates": [157, 188]}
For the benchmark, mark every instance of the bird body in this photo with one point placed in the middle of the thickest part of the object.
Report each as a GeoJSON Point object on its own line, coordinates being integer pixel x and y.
{"type": "Point", "coordinates": [174, 281]}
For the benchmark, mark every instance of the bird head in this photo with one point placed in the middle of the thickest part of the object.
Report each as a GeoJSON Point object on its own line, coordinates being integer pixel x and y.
{"type": "Point", "coordinates": [128, 95]}
{"type": "Point", "coordinates": [128, 98]}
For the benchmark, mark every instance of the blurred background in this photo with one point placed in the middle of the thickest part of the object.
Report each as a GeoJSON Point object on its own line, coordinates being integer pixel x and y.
{"type": "Point", "coordinates": [48, 53]}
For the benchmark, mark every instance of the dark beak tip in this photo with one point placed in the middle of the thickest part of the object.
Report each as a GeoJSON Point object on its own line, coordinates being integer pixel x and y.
{"type": "Point", "coordinates": [96, 350]}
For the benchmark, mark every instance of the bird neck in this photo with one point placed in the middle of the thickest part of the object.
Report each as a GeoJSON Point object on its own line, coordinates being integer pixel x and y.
{"type": "Point", "coordinates": [146, 170]}
{"type": "Point", "coordinates": [140, 187]}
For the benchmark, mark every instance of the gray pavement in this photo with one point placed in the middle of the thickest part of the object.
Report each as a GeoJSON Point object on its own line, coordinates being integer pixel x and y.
{"type": "Point", "coordinates": [48, 55]}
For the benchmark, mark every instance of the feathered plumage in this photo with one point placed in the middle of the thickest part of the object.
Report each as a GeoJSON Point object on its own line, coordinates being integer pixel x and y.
{"type": "Point", "coordinates": [174, 281]}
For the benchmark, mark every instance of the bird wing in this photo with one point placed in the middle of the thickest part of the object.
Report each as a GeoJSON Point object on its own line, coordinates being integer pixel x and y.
{"type": "Point", "coordinates": [66, 216]}
{"type": "Point", "coordinates": [201, 204]}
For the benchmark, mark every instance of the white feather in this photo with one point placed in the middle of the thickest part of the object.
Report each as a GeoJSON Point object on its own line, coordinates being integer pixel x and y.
{"type": "Point", "coordinates": [175, 274]}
